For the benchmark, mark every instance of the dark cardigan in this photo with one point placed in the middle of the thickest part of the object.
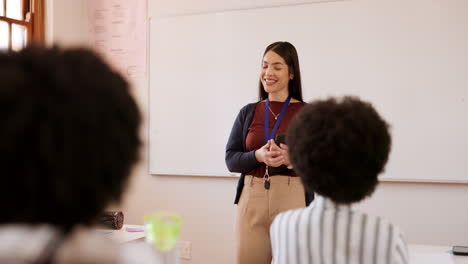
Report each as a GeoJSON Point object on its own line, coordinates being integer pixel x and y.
{"type": "Point", "coordinates": [237, 159]}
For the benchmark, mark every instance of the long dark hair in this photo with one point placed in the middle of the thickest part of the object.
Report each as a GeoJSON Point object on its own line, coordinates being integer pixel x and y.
{"type": "Point", "coordinates": [288, 52]}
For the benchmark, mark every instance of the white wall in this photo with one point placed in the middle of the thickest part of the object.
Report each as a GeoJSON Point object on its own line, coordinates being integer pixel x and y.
{"type": "Point", "coordinates": [66, 22]}
{"type": "Point", "coordinates": [428, 213]}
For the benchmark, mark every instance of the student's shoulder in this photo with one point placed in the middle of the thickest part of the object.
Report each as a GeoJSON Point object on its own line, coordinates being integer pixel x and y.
{"type": "Point", "coordinates": [381, 220]}
{"type": "Point", "coordinates": [384, 224]}
{"type": "Point", "coordinates": [289, 216]}
{"type": "Point", "coordinates": [394, 234]}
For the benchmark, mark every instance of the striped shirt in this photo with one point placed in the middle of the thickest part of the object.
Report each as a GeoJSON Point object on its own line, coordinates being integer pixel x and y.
{"type": "Point", "coordinates": [328, 233]}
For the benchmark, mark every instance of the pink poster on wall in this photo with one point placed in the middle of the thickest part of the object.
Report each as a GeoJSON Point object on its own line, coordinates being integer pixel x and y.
{"type": "Point", "coordinates": [118, 31]}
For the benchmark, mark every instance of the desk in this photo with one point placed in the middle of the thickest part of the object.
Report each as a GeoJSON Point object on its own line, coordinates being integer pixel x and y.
{"type": "Point", "coordinates": [123, 236]}
{"type": "Point", "coordinates": [418, 252]}
{"type": "Point", "coordinates": [137, 252]}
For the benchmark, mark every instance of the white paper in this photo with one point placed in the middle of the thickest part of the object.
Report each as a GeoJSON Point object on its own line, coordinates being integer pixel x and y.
{"type": "Point", "coordinates": [118, 32]}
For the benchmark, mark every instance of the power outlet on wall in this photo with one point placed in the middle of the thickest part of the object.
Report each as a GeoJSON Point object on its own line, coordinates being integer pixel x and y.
{"type": "Point", "coordinates": [185, 249]}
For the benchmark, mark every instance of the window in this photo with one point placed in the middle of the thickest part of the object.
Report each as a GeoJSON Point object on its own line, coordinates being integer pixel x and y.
{"type": "Point", "coordinates": [21, 22]}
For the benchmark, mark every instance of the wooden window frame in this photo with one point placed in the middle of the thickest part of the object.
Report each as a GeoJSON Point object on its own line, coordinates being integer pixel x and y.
{"type": "Point", "coordinates": [34, 17]}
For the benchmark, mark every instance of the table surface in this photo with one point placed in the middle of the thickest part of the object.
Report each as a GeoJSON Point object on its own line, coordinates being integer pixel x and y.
{"type": "Point", "coordinates": [419, 254]}
{"type": "Point", "coordinates": [123, 235]}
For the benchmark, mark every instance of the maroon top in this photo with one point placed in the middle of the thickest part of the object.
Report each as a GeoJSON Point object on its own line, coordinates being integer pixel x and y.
{"type": "Point", "coordinates": [255, 134]}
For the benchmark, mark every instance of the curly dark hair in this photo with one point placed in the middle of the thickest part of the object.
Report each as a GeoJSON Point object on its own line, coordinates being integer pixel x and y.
{"type": "Point", "coordinates": [338, 147]}
{"type": "Point", "coordinates": [69, 136]}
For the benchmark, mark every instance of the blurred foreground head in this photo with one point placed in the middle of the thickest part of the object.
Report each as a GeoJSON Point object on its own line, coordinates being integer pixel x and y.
{"type": "Point", "coordinates": [69, 135]}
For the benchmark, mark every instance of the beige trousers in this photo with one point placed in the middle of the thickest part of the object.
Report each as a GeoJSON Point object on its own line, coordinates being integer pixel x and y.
{"type": "Point", "coordinates": [256, 210]}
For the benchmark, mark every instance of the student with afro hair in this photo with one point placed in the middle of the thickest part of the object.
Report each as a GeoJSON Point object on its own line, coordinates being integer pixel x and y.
{"type": "Point", "coordinates": [69, 137]}
{"type": "Point", "coordinates": [338, 146]}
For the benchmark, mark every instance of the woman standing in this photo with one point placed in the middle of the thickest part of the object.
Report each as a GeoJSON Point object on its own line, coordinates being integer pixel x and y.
{"type": "Point", "coordinates": [267, 185]}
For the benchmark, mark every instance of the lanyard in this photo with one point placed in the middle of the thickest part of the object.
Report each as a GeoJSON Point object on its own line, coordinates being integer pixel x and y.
{"type": "Point", "coordinates": [268, 136]}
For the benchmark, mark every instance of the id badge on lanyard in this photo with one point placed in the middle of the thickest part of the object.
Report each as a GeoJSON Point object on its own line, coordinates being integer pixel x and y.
{"type": "Point", "coordinates": [268, 135]}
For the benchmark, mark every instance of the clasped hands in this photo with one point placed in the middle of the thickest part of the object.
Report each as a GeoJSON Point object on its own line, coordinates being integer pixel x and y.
{"type": "Point", "coordinates": [273, 155]}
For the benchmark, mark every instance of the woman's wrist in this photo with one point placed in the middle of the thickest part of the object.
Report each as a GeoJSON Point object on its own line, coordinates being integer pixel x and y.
{"type": "Point", "coordinates": [258, 156]}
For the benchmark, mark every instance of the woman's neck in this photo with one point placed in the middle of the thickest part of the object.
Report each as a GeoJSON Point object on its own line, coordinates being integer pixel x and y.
{"type": "Point", "coordinates": [279, 96]}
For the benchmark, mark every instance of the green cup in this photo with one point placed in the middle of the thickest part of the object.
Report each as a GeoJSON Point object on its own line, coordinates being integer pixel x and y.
{"type": "Point", "coordinates": [163, 230]}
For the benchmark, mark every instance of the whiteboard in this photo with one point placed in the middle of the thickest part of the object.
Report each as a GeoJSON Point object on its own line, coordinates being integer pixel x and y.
{"type": "Point", "coordinates": [409, 58]}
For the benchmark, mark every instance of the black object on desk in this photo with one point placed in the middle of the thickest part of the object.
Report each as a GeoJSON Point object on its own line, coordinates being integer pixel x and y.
{"type": "Point", "coordinates": [460, 250]}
